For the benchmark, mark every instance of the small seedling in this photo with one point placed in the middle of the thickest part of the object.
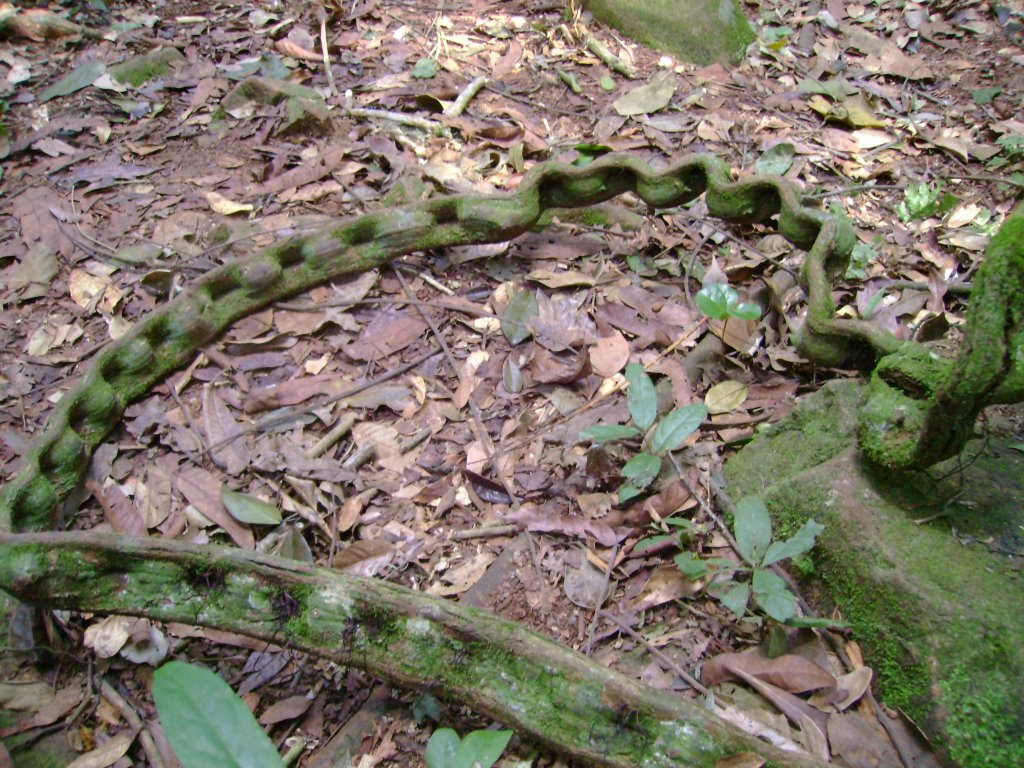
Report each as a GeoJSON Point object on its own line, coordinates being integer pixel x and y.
{"type": "Point", "coordinates": [480, 749]}
{"type": "Point", "coordinates": [658, 436]}
{"type": "Point", "coordinates": [734, 584]}
{"type": "Point", "coordinates": [720, 301]}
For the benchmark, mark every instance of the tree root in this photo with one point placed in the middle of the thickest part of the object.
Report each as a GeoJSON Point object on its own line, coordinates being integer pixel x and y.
{"type": "Point", "coordinates": [549, 693]}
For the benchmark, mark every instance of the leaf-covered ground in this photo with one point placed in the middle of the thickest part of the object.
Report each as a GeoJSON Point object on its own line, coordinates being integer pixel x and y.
{"type": "Point", "coordinates": [403, 424]}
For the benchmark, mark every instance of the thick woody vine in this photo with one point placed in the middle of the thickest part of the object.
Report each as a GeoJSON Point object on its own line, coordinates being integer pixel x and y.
{"type": "Point", "coordinates": [343, 617]}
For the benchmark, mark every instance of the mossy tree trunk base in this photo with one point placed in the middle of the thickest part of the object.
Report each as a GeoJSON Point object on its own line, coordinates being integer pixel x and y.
{"type": "Point", "coordinates": [526, 681]}
{"type": "Point", "coordinates": [937, 606]}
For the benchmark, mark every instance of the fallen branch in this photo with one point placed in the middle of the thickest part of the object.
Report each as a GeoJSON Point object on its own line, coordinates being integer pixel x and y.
{"type": "Point", "coordinates": [524, 680]}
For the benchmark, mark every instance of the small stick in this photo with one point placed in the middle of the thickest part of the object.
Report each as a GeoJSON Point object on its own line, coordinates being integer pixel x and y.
{"type": "Point", "coordinates": [429, 126]}
{"type": "Point", "coordinates": [339, 430]}
{"type": "Point", "coordinates": [327, 57]}
{"type": "Point", "coordinates": [485, 532]}
{"type": "Point", "coordinates": [669, 663]}
{"type": "Point", "coordinates": [458, 106]}
{"type": "Point", "coordinates": [613, 62]}
{"type": "Point", "coordinates": [108, 692]}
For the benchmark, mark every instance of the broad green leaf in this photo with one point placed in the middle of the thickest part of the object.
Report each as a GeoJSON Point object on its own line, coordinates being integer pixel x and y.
{"type": "Point", "coordinates": [481, 749]}
{"type": "Point", "coordinates": [746, 311]}
{"type": "Point", "coordinates": [735, 598]}
{"type": "Point", "coordinates": [797, 544]}
{"type": "Point", "coordinates": [773, 596]}
{"type": "Point", "coordinates": [607, 83]}
{"type": "Point", "coordinates": [641, 469]}
{"type": "Point", "coordinates": [442, 747]}
{"type": "Point", "coordinates": [247, 509]}
{"type": "Point", "coordinates": [520, 310]}
{"type": "Point", "coordinates": [641, 397]}
{"type": "Point", "coordinates": [672, 431]}
{"type": "Point", "coordinates": [601, 433]}
{"type": "Point", "coordinates": [678, 522]}
{"type": "Point", "coordinates": [81, 77]}
{"type": "Point", "coordinates": [753, 528]}
{"type": "Point", "coordinates": [714, 300]}
{"type": "Point", "coordinates": [777, 159]}
{"type": "Point", "coordinates": [690, 565]}
{"type": "Point", "coordinates": [205, 721]}
{"type": "Point", "coordinates": [424, 69]}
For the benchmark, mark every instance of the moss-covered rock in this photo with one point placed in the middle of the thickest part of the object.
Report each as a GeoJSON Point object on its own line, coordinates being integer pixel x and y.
{"type": "Point", "coordinates": [699, 31]}
{"type": "Point", "coordinates": [141, 69]}
{"type": "Point", "coordinates": [937, 606]}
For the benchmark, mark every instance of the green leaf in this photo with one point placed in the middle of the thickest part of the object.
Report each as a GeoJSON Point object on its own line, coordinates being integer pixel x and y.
{"type": "Point", "coordinates": [628, 491]}
{"type": "Point", "coordinates": [714, 300]}
{"type": "Point", "coordinates": [652, 541]}
{"type": "Point", "coordinates": [797, 544]}
{"type": "Point", "coordinates": [426, 706]}
{"type": "Point", "coordinates": [511, 377]}
{"type": "Point", "coordinates": [442, 747]}
{"type": "Point", "coordinates": [424, 69]}
{"type": "Point", "coordinates": [746, 311]}
{"type": "Point", "coordinates": [984, 96]}
{"type": "Point", "coordinates": [481, 749]}
{"type": "Point", "coordinates": [690, 565]}
{"type": "Point", "coordinates": [521, 308]}
{"type": "Point", "coordinates": [773, 596]}
{"type": "Point", "coordinates": [777, 159]}
{"type": "Point", "coordinates": [601, 433]}
{"type": "Point", "coordinates": [641, 397]}
{"type": "Point", "coordinates": [81, 77]}
{"type": "Point", "coordinates": [205, 721]}
{"type": "Point", "coordinates": [735, 598]}
{"type": "Point", "coordinates": [672, 431]}
{"type": "Point", "coordinates": [753, 528]}
{"type": "Point", "coordinates": [607, 83]}
{"type": "Point", "coordinates": [642, 469]}
{"type": "Point", "coordinates": [247, 509]}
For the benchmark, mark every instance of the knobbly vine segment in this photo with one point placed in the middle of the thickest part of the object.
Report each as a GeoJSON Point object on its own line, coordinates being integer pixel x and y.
{"type": "Point", "coordinates": [168, 338]}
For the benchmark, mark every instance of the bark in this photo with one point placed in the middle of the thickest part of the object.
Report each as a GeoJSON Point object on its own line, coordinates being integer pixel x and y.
{"type": "Point", "coordinates": [522, 679]}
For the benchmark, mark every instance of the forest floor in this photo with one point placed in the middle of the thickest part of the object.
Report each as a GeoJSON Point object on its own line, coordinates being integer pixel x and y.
{"type": "Point", "coordinates": [115, 197]}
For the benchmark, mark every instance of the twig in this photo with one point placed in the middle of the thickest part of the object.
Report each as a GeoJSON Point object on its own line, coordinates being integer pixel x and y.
{"type": "Point", "coordinates": [669, 663]}
{"type": "Point", "coordinates": [485, 532]}
{"type": "Point", "coordinates": [108, 692]}
{"type": "Point", "coordinates": [599, 49]}
{"type": "Point", "coordinates": [458, 106]}
{"type": "Point", "coordinates": [428, 126]}
{"type": "Point", "coordinates": [294, 413]}
{"type": "Point", "coordinates": [327, 56]}
{"type": "Point", "coordinates": [604, 599]}
{"type": "Point", "coordinates": [339, 430]}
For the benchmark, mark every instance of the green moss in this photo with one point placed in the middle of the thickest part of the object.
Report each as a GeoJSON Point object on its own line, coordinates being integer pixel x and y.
{"type": "Point", "coordinates": [141, 69]}
{"type": "Point", "coordinates": [939, 622]}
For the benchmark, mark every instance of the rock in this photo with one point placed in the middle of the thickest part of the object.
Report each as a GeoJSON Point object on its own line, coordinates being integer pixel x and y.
{"type": "Point", "coordinates": [698, 31]}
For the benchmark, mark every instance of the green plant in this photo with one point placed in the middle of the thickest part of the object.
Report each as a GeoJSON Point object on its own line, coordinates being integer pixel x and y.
{"type": "Point", "coordinates": [720, 301]}
{"type": "Point", "coordinates": [658, 436]}
{"type": "Point", "coordinates": [734, 584]}
{"type": "Point", "coordinates": [480, 749]}
{"type": "Point", "coordinates": [207, 723]}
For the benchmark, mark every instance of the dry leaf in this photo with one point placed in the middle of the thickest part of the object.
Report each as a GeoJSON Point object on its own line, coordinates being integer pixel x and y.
{"type": "Point", "coordinates": [609, 354]}
{"type": "Point", "coordinates": [225, 207]}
